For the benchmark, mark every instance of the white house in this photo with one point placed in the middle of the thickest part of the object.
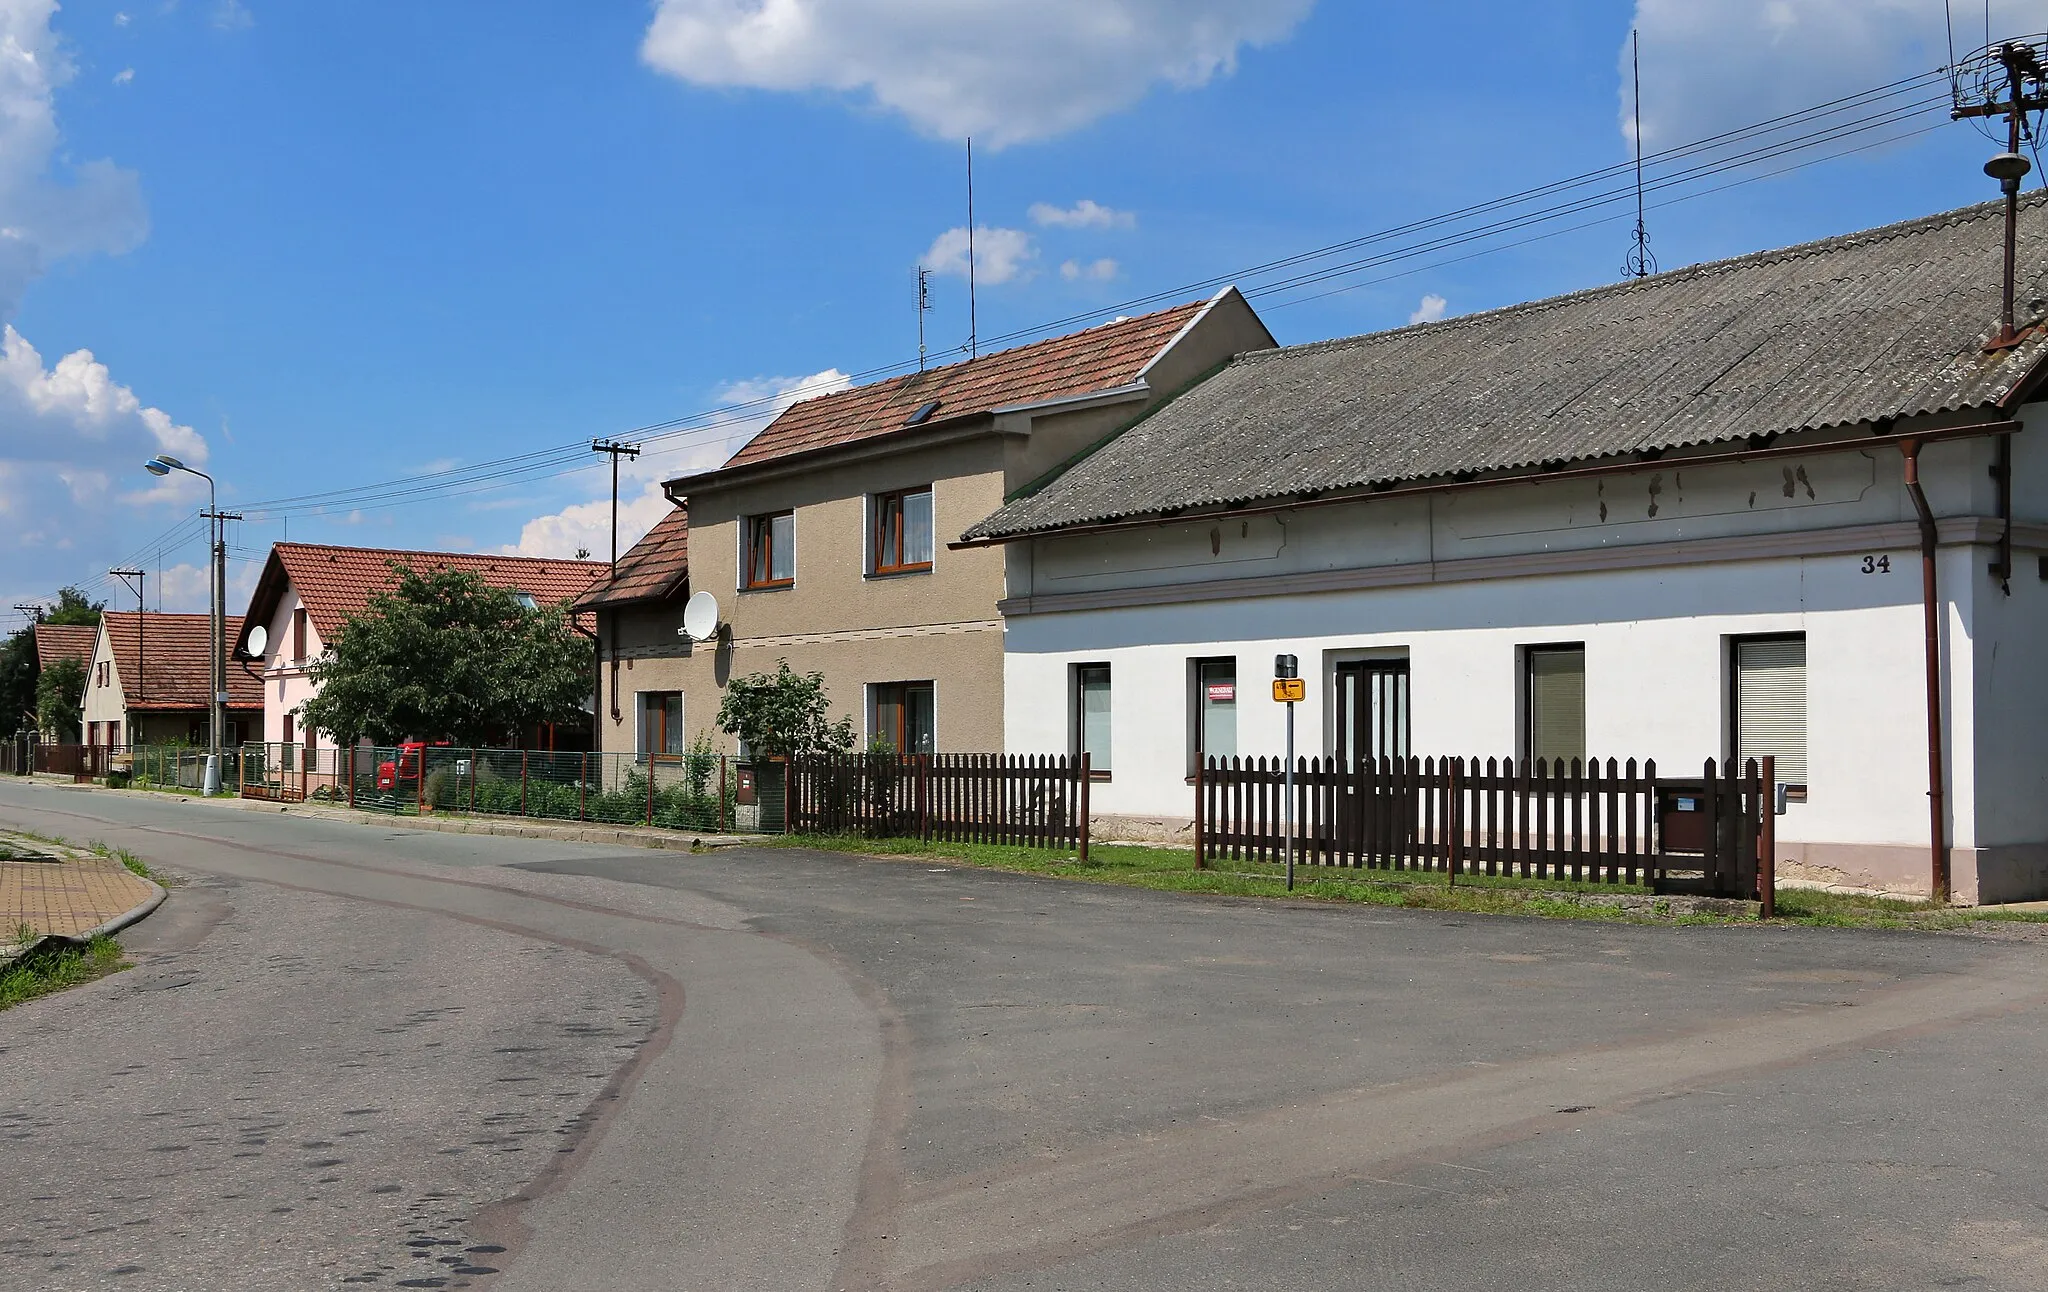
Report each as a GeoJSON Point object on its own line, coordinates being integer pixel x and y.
{"type": "Point", "coordinates": [1664, 519]}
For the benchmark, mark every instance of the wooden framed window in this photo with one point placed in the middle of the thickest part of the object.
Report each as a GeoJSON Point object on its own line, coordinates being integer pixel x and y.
{"type": "Point", "coordinates": [291, 729]}
{"type": "Point", "coordinates": [1212, 710]}
{"type": "Point", "coordinates": [1554, 702]}
{"type": "Point", "coordinates": [771, 550]}
{"type": "Point", "coordinates": [1767, 709]}
{"type": "Point", "coordinates": [661, 724]}
{"type": "Point", "coordinates": [299, 634]}
{"type": "Point", "coordinates": [904, 716]}
{"type": "Point", "coordinates": [902, 539]}
{"type": "Point", "coordinates": [1090, 716]}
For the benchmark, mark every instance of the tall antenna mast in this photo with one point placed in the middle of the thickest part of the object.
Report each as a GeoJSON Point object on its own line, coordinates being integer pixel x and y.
{"type": "Point", "coordinates": [973, 322]}
{"type": "Point", "coordinates": [1639, 263]}
{"type": "Point", "coordinates": [924, 305]}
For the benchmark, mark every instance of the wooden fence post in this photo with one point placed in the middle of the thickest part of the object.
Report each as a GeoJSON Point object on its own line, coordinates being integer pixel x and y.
{"type": "Point", "coordinates": [1085, 775]}
{"type": "Point", "coordinates": [1201, 806]}
{"type": "Point", "coordinates": [1767, 841]}
{"type": "Point", "coordinates": [1450, 820]}
{"type": "Point", "coordinates": [924, 798]}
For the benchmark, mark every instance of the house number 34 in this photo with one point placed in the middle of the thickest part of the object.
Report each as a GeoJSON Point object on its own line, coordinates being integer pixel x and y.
{"type": "Point", "coordinates": [1877, 565]}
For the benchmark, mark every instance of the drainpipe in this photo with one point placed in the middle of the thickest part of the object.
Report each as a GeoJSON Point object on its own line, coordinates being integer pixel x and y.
{"type": "Point", "coordinates": [1930, 609]}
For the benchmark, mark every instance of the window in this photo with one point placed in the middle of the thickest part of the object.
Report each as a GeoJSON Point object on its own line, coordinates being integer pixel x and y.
{"type": "Point", "coordinates": [1769, 704]}
{"type": "Point", "coordinates": [661, 723]}
{"type": "Point", "coordinates": [92, 733]}
{"type": "Point", "coordinates": [902, 538]}
{"type": "Point", "coordinates": [299, 634]}
{"type": "Point", "coordinates": [1554, 702]}
{"type": "Point", "coordinates": [113, 733]}
{"type": "Point", "coordinates": [1091, 716]}
{"type": "Point", "coordinates": [1213, 709]}
{"type": "Point", "coordinates": [290, 729]}
{"type": "Point", "coordinates": [526, 601]}
{"type": "Point", "coordinates": [771, 550]}
{"type": "Point", "coordinates": [904, 716]}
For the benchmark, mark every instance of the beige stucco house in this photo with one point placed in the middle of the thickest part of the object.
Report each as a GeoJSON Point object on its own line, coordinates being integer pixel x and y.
{"type": "Point", "coordinates": [147, 679]}
{"type": "Point", "coordinates": [824, 538]}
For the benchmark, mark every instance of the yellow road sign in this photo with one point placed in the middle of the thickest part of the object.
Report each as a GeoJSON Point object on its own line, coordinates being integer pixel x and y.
{"type": "Point", "coordinates": [1289, 690]}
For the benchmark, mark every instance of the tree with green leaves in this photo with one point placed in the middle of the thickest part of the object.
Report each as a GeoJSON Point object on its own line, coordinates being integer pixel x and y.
{"type": "Point", "coordinates": [60, 700]}
{"type": "Point", "coordinates": [445, 656]}
{"type": "Point", "coordinates": [783, 714]}
{"type": "Point", "coordinates": [19, 667]}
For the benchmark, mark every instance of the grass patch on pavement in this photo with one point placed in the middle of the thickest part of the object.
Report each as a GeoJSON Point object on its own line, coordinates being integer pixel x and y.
{"type": "Point", "coordinates": [134, 864]}
{"type": "Point", "coordinates": [1173, 870]}
{"type": "Point", "coordinates": [58, 965]}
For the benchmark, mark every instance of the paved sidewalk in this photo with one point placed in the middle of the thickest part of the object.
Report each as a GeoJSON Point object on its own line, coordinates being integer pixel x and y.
{"type": "Point", "coordinates": [65, 892]}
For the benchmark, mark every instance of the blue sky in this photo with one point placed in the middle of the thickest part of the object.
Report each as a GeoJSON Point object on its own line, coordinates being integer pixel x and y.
{"type": "Point", "coordinates": [318, 246]}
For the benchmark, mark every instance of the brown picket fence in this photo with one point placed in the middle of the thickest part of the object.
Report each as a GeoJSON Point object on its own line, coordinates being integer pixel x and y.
{"type": "Point", "coordinates": [1589, 822]}
{"type": "Point", "coordinates": [1024, 800]}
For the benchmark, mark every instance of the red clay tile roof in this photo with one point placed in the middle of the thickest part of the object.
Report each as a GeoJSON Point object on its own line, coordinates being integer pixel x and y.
{"type": "Point", "coordinates": [1099, 358]}
{"type": "Point", "coordinates": [336, 583]}
{"type": "Point", "coordinates": [163, 665]}
{"type": "Point", "coordinates": [65, 641]}
{"type": "Point", "coordinates": [657, 568]}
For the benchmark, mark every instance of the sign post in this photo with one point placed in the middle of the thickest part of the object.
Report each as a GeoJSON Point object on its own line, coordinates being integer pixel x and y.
{"type": "Point", "coordinates": [1288, 689]}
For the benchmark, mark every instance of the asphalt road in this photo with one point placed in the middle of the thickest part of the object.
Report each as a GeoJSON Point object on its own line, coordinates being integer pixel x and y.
{"type": "Point", "coordinates": [356, 1055]}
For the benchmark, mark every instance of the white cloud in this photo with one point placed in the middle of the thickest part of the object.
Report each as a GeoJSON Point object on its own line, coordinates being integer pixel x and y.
{"type": "Point", "coordinates": [1431, 310]}
{"type": "Point", "coordinates": [1003, 71]}
{"type": "Point", "coordinates": [72, 438]}
{"type": "Point", "coordinates": [587, 525]}
{"type": "Point", "coordinates": [1713, 65]}
{"type": "Point", "coordinates": [232, 15]}
{"type": "Point", "coordinates": [124, 76]}
{"type": "Point", "coordinates": [1084, 214]}
{"type": "Point", "coordinates": [121, 19]}
{"type": "Point", "coordinates": [1100, 271]}
{"type": "Point", "coordinates": [1000, 255]}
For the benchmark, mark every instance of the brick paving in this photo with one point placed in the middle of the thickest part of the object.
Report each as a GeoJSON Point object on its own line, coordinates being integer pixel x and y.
{"type": "Point", "coordinates": [66, 896]}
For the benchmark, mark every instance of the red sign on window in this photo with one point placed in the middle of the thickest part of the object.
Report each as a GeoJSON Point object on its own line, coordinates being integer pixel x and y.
{"type": "Point", "coordinates": [1222, 692]}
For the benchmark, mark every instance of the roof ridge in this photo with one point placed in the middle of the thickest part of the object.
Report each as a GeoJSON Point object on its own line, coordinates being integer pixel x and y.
{"type": "Point", "coordinates": [1771, 255]}
{"type": "Point", "coordinates": [420, 551]}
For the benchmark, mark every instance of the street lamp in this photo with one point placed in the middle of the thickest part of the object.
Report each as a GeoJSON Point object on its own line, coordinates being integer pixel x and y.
{"type": "Point", "coordinates": [216, 717]}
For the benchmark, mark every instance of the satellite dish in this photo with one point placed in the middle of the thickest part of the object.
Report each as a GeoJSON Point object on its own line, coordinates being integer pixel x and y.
{"type": "Point", "coordinates": [700, 617]}
{"type": "Point", "coordinates": [258, 638]}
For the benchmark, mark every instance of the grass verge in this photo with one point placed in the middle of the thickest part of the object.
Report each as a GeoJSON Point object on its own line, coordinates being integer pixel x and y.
{"type": "Point", "coordinates": [1173, 870]}
{"type": "Point", "coordinates": [56, 966]}
{"type": "Point", "coordinates": [134, 864]}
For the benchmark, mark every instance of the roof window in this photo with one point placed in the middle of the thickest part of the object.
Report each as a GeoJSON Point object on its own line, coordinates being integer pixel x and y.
{"type": "Point", "coordinates": [923, 414]}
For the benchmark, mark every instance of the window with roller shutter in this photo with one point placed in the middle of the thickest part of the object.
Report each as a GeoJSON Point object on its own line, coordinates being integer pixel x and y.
{"type": "Point", "coordinates": [1769, 704]}
{"type": "Point", "coordinates": [1554, 702]}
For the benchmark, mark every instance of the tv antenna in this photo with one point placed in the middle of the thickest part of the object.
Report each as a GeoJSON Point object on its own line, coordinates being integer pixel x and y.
{"type": "Point", "coordinates": [1639, 263]}
{"type": "Point", "coordinates": [2007, 79]}
{"type": "Point", "coordinates": [973, 326]}
{"type": "Point", "coordinates": [924, 305]}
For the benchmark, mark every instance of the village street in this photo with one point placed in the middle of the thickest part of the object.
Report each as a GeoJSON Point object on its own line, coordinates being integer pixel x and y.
{"type": "Point", "coordinates": [367, 1056]}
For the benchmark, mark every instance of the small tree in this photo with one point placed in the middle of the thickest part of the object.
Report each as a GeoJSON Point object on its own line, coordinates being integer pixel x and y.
{"type": "Point", "coordinates": [784, 714]}
{"type": "Point", "coordinates": [60, 699]}
{"type": "Point", "coordinates": [73, 608]}
{"type": "Point", "coordinates": [446, 656]}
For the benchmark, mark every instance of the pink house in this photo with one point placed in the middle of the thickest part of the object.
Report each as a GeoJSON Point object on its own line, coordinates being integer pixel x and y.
{"type": "Point", "coordinates": [309, 591]}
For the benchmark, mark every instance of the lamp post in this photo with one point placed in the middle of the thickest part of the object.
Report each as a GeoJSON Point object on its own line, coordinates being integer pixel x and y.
{"type": "Point", "coordinates": [216, 718]}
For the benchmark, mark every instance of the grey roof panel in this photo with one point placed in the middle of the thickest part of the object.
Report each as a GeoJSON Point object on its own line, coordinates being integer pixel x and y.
{"type": "Point", "coordinates": [1886, 323]}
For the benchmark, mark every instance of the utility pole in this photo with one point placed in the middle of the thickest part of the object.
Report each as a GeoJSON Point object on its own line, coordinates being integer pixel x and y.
{"type": "Point", "coordinates": [617, 450]}
{"type": "Point", "coordinates": [217, 712]}
{"type": "Point", "coordinates": [141, 622]}
{"type": "Point", "coordinates": [31, 609]}
{"type": "Point", "coordinates": [1994, 82]}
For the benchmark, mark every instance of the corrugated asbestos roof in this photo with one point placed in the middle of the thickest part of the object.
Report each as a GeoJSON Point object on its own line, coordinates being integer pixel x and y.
{"type": "Point", "coordinates": [162, 660]}
{"type": "Point", "coordinates": [65, 641]}
{"type": "Point", "coordinates": [336, 583]}
{"type": "Point", "coordinates": [1886, 323]}
{"type": "Point", "coordinates": [1099, 358]}
{"type": "Point", "coordinates": [657, 567]}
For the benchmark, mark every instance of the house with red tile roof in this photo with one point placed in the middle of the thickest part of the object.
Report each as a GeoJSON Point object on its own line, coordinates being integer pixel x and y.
{"type": "Point", "coordinates": [824, 537]}
{"type": "Point", "coordinates": [147, 679]}
{"type": "Point", "coordinates": [308, 592]}
{"type": "Point", "coordinates": [55, 642]}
